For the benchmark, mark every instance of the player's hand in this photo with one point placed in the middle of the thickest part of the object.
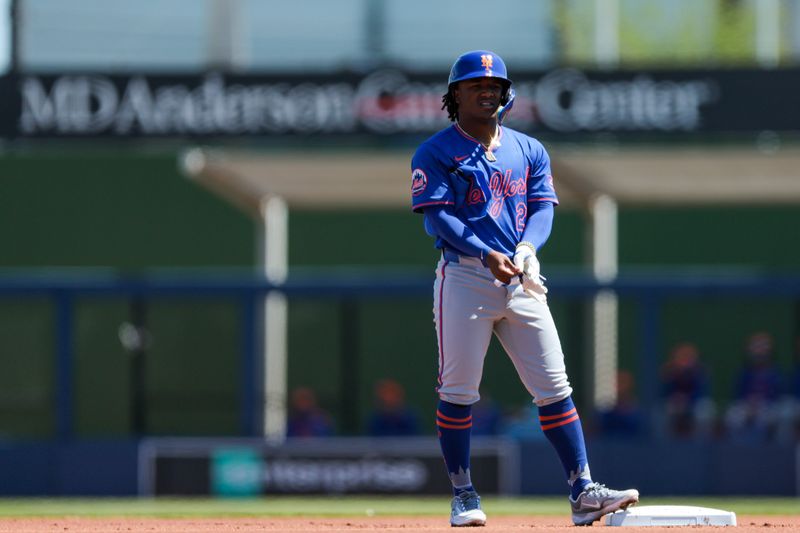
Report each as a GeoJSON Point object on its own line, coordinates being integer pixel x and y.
{"type": "Point", "coordinates": [526, 261]}
{"type": "Point", "coordinates": [501, 266]}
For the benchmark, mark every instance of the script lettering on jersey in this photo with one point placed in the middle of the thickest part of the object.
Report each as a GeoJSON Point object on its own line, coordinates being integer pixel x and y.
{"type": "Point", "coordinates": [503, 186]}
{"type": "Point", "coordinates": [475, 194]}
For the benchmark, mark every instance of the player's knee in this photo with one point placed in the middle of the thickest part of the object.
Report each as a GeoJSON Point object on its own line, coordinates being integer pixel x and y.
{"type": "Point", "coordinates": [555, 396]}
{"type": "Point", "coordinates": [459, 398]}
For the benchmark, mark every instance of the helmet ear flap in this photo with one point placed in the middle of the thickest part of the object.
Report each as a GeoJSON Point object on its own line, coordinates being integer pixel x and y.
{"type": "Point", "coordinates": [507, 103]}
{"type": "Point", "coordinates": [505, 96]}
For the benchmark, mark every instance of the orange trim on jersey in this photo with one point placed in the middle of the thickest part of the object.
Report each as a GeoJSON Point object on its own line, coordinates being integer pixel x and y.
{"type": "Point", "coordinates": [473, 139]}
{"type": "Point", "coordinates": [562, 415]}
{"type": "Point", "coordinates": [465, 134]}
{"type": "Point", "coordinates": [419, 207]}
{"type": "Point", "coordinates": [451, 419]}
{"type": "Point", "coordinates": [453, 426]}
{"type": "Point", "coordinates": [562, 423]}
{"type": "Point", "coordinates": [543, 199]}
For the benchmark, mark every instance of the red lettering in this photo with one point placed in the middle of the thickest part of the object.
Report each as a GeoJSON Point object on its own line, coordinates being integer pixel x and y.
{"type": "Point", "coordinates": [475, 195]}
{"type": "Point", "coordinates": [502, 187]}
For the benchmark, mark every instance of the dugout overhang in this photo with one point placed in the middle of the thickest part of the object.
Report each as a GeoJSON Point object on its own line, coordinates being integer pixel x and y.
{"type": "Point", "coordinates": [631, 176]}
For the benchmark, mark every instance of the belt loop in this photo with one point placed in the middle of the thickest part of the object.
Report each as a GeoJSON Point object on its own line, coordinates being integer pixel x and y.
{"type": "Point", "coordinates": [450, 255]}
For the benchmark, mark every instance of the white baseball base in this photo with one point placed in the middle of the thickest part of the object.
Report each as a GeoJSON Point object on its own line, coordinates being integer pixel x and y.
{"type": "Point", "coordinates": [671, 515]}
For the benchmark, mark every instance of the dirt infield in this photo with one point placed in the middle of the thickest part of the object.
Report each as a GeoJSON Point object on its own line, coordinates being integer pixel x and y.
{"type": "Point", "coordinates": [746, 523]}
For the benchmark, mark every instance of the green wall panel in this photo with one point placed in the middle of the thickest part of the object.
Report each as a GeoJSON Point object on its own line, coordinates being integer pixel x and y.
{"type": "Point", "coordinates": [124, 210]}
{"type": "Point", "coordinates": [193, 365]}
{"type": "Point", "coordinates": [315, 358]}
{"type": "Point", "coordinates": [26, 368]}
{"type": "Point", "coordinates": [757, 237]}
{"type": "Point", "coordinates": [102, 370]}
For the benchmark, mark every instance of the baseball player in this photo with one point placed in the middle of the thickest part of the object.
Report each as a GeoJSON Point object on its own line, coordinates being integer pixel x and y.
{"type": "Point", "coordinates": [487, 196]}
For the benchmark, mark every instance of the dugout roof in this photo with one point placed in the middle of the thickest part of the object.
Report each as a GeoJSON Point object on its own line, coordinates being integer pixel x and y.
{"type": "Point", "coordinates": [632, 176]}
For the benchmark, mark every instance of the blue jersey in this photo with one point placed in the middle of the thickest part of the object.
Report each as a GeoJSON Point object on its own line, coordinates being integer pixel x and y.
{"type": "Point", "coordinates": [489, 191]}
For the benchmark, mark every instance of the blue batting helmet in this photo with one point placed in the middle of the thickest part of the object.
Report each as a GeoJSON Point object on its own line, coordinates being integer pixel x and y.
{"type": "Point", "coordinates": [478, 64]}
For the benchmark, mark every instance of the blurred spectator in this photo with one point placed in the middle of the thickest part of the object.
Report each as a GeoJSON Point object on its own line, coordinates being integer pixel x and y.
{"type": "Point", "coordinates": [789, 426]}
{"type": "Point", "coordinates": [306, 418]}
{"type": "Point", "coordinates": [755, 411]}
{"type": "Point", "coordinates": [624, 419]}
{"type": "Point", "coordinates": [795, 388]}
{"type": "Point", "coordinates": [523, 423]}
{"type": "Point", "coordinates": [688, 408]}
{"type": "Point", "coordinates": [487, 416]}
{"type": "Point", "coordinates": [392, 416]}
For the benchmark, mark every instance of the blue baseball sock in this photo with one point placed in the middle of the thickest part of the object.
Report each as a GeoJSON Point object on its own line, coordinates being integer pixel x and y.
{"type": "Point", "coordinates": [454, 424]}
{"type": "Point", "coordinates": [562, 426]}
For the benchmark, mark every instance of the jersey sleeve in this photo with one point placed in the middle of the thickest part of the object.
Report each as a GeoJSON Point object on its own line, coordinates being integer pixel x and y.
{"type": "Point", "coordinates": [540, 177]}
{"type": "Point", "coordinates": [430, 184]}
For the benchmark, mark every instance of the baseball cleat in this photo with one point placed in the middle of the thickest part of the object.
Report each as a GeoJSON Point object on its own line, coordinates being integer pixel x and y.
{"type": "Point", "coordinates": [466, 510]}
{"type": "Point", "coordinates": [597, 500]}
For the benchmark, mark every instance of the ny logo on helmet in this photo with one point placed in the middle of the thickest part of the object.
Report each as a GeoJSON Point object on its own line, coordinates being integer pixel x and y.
{"type": "Point", "coordinates": [486, 62]}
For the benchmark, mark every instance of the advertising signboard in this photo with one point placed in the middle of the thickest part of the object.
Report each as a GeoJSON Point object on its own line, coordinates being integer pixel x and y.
{"type": "Point", "coordinates": [236, 467]}
{"type": "Point", "coordinates": [390, 102]}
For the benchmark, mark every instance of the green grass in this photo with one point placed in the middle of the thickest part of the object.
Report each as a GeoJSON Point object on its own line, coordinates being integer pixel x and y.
{"type": "Point", "coordinates": [345, 506]}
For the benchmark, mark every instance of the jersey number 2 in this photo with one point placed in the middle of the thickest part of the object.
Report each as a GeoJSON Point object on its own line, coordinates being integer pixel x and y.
{"type": "Point", "coordinates": [522, 211]}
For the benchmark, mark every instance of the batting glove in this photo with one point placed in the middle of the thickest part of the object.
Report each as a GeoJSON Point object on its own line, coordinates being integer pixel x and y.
{"type": "Point", "coordinates": [525, 260]}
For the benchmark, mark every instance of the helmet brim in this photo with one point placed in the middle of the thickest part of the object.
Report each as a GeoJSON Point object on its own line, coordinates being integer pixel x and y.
{"type": "Point", "coordinates": [480, 74]}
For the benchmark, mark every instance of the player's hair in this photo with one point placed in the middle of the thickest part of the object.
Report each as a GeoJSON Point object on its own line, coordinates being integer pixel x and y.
{"type": "Point", "coordinates": [449, 103]}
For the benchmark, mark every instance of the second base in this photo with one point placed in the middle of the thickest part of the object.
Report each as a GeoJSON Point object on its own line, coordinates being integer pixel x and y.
{"type": "Point", "coordinates": [671, 515]}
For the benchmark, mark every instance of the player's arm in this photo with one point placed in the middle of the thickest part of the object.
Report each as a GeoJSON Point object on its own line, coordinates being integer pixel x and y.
{"type": "Point", "coordinates": [451, 229]}
{"type": "Point", "coordinates": [539, 224]}
{"type": "Point", "coordinates": [541, 196]}
{"type": "Point", "coordinates": [537, 230]}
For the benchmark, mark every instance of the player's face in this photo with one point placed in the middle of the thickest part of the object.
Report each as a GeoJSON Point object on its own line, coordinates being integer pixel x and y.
{"type": "Point", "coordinates": [478, 98]}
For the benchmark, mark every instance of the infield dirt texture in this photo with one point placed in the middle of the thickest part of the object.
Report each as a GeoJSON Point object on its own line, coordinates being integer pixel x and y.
{"type": "Point", "coordinates": [747, 524]}
{"type": "Point", "coordinates": [352, 513]}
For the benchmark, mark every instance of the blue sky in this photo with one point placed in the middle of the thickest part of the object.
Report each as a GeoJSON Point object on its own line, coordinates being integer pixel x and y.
{"type": "Point", "coordinates": [4, 35]}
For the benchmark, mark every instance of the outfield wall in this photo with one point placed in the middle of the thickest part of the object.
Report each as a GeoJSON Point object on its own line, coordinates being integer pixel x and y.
{"type": "Point", "coordinates": [247, 467]}
{"type": "Point", "coordinates": [131, 213]}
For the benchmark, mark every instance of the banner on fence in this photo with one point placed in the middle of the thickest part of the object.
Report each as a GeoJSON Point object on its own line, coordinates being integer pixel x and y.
{"type": "Point", "coordinates": [235, 467]}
